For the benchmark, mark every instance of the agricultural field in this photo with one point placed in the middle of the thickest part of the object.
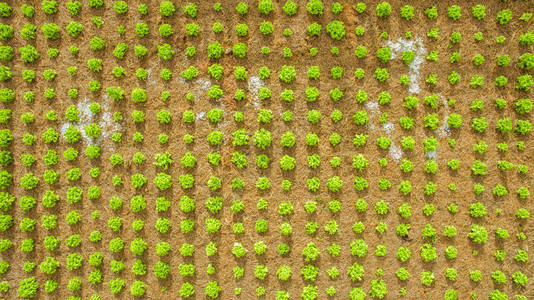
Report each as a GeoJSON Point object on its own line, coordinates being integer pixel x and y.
{"type": "Point", "coordinates": [266, 149]}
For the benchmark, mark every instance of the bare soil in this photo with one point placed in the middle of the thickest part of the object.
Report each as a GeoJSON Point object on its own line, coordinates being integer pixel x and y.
{"type": "Point", "coordinates": [300, 44]}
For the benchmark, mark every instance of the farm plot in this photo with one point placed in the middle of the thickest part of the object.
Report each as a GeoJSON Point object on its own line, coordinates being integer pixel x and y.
{"type": "Point", "coordinates": [266, 149]}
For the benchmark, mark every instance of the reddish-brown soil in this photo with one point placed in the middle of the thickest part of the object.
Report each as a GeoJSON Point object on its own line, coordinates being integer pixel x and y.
{"type": "Point", "coordinates": [300, 43]}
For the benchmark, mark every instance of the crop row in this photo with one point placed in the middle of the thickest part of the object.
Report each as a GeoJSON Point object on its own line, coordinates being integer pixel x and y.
{"type": "Point", "coordinates": [265, 7]}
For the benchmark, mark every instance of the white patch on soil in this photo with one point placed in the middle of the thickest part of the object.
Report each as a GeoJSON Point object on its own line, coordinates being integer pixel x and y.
{"type": "Point", "coordinates": [373, 110]}
{"type": "Point", "coordinates": [151, 79]}
{"type": "Point", "coordinates": [254, 85]}
{"type": "Point", "coordinates": [104, 119]}
{"type": "Point", "coordinates": [201, 115]}
{"type": "Point", "coordinates": [417, 46]}
{"type": "Point", "coordinates": [227, 118]}
{"type": "Point", "coordinates": [181, 65]}
{"type": "Point", "coordinates": [431, 155]}
{"type": "Point", "coordinates": [202, 85]}
{"type": "Point", "coordinates": [388, 127]}
{"type": "Point", "coordinates": [444, 129]}
{"type": "Point", "coordinates": [395, 152]}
